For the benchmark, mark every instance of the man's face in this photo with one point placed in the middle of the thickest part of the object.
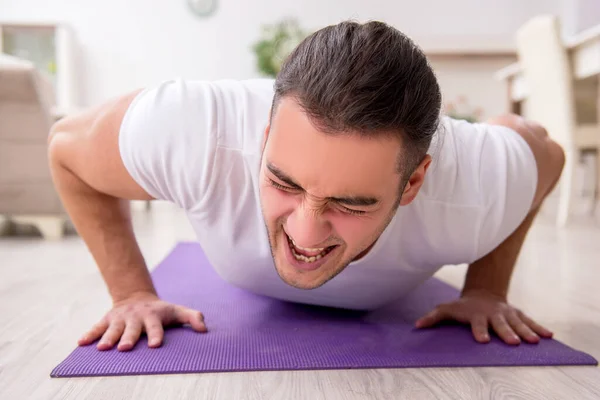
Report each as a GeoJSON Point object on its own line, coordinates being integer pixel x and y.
{"type": "Point", "coordinates": [325, 198]}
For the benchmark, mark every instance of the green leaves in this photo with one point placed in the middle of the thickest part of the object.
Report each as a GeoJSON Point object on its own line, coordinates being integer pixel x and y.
{"type": "Point", "coordinates": [275, 45]}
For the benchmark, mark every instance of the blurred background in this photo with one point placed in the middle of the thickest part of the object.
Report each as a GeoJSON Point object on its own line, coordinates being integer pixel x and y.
{"type": "Point", "coordinates": [540, 58]}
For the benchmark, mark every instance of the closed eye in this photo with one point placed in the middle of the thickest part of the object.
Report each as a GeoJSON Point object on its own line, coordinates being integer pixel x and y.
{"type": "Point", "coordinates": [280, 186]}
{"type": "Point", "coordinates": [351, 211]}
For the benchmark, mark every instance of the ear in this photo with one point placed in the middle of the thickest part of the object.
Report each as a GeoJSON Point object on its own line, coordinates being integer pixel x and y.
{"type": "Point", "coordinates": [415, 181]}
{"type": "Point", "coordinates": [265, 136]}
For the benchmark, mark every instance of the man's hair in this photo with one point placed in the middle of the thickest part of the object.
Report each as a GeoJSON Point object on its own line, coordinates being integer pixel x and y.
{"type": "Point", "coordinates": [365, 79]}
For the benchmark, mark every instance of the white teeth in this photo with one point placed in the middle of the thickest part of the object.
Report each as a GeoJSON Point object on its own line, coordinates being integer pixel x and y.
{"type": "Point", "coordinates": [302, 257]}
{"type": "Point", "coordinates": [307, 248]}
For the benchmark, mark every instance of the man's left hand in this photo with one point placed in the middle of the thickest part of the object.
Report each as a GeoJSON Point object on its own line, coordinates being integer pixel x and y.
{"type": "Point", "coordinates": [481, 309]}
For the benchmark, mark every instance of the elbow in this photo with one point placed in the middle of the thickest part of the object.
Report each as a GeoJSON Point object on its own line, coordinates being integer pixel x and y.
{"type": "Point", "coordinates": [62, 132]}
{"type": "Point", "coordinates": [55, 129]}
{"type": "Point", "coordinates": [54, 148]}
{"type": "Point", "coordinates": [57, 144]}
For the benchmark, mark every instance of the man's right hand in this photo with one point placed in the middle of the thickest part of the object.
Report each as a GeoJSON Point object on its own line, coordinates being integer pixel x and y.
{"type": "Point", "coordinates": [136, 314]}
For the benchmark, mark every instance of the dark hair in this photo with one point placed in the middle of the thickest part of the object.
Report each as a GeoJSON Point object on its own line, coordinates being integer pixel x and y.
{"type": "Point", "coordinates": [367, 79]}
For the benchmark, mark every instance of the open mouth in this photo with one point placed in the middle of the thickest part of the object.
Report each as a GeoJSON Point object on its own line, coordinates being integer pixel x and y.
{"type": "Point", "coordinates": [308, 255]}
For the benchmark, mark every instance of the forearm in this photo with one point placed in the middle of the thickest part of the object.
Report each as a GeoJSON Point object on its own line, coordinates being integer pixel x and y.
{"type": "Point", "coordinates": [493, 272]}
{"type": "Point", "coordinates": [104, 223]}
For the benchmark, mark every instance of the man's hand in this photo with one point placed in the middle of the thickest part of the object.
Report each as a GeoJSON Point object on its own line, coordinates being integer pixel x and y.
{"type": "Point", "coordinates": [141, 312]}
{"type": "Point", "coordinates": [480, 309]}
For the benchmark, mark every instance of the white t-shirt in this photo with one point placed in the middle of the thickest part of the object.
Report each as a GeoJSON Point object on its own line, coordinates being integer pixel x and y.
{"type": "Point", "coordinates": [198, 144]}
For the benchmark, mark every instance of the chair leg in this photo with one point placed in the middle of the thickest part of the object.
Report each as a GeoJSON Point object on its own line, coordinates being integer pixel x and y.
{"type": "Point", "coordinates": [566, 189]}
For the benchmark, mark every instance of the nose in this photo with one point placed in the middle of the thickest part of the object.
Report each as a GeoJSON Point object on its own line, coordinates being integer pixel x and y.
{"type": "Point", "coordinates": [307, 226]}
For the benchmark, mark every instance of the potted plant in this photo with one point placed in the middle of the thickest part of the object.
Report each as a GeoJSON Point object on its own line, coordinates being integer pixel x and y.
{"type": "Point", "coordinates": [277, 41]}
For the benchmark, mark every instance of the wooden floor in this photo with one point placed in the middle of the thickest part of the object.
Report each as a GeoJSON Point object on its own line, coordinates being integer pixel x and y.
{"type": "Point", "coordinates": [50, 293]}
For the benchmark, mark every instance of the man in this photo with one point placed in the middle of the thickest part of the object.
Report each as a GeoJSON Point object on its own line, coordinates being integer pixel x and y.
{"type": "Point", "coordinates": [338, 184]}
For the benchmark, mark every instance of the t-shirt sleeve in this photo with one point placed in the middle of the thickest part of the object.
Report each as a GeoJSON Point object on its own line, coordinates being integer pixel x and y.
{"type": "Point", "coordinates": [167, 141]}
{"type": "Point", "coordinates": [508, 180]}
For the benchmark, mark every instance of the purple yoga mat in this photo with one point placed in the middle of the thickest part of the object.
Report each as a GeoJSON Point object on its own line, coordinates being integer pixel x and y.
{"type": "Point", "coordinates": [249, 333]}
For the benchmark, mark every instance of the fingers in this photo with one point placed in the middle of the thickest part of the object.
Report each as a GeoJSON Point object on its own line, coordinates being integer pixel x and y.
{"type": "Point", "coordinates": [432, 318]}
{"type": "Point", "coordinates": [112, 335]}
{"type": "Point", "coordinates": [479, 327]}
{"type": "Point", "coordinates": [192, 317]}
{"type": "Point", "coordinates": [154, 331]}
{"type": "Point", "coordinates": [131, 335]}
{"type": "Point", "coordinates": [537, 328]}
{"type": "Point", "coordinates": [125, 324]}
{"type": "Point", "coordinates": [521, 328]}
{"type": "Point", "coordinates": [504, 330]}
{"type": "Point", "coordinates": [93, 334]}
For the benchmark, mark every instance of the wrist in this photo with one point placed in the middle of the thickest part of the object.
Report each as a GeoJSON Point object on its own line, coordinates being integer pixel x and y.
{"type": "Point", "coordinates": [140, 294]}
{"type": "Point", "coordinates": [479, 291]}
{"type": "Point", "coordinates": [487, 277]}
{"type": "Point", "coordinates": [131, 282]}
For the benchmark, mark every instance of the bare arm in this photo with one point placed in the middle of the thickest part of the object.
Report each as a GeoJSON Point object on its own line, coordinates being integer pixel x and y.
{"type": "Point", "coordinates": [95, 189]}
{"type": "Point", "coordinates": [484, 296]}
{"type": "Point", "coordinates": [493, 271]}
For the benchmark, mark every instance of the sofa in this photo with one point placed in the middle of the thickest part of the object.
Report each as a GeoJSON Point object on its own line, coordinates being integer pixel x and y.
{"type": "Point", "coordinates": [27, 193]}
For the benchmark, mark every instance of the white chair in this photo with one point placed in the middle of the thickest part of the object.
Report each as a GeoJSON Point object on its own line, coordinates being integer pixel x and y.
{"type": "Point", "coordinates": [551, 100]}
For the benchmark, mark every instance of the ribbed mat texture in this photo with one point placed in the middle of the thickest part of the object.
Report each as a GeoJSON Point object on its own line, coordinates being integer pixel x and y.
{"type": "Point", "coordinates": [251, 333]}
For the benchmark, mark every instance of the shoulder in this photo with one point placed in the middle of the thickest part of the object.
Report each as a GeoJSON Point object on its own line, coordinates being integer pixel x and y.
{"type": "Point", "coordinates": [480, 185]}
{"type": "Point", "coordinates": [549, 155]}
{"type": "Point", "coordinates": [172, 133]}
{"type": "Point", "coordinates": [456, 154]}
{"type": "Point", "coordinates": [195, 104]}
{"type": "Point", "coordinates": [224, 113]}
{"type": "Point", "coordinates": [470, 160]}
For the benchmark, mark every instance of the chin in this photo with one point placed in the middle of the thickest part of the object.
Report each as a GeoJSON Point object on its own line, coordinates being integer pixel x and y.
{"type": "Point", "coordinates": [304, 281]}
{"type": "Point", "coordinates": [299, 280]}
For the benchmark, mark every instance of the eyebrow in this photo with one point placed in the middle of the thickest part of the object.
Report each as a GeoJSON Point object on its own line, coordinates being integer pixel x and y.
{"type": "Point", "coordinates": [356, 201]}
{"type": "Point", "coordinates": [353, 201]}
{"type": "Point", "coordinates": [282, 176]}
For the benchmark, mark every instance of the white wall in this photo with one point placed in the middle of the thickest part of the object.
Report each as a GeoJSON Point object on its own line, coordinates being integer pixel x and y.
{"type": "Point", "coordinates": [579, 15]}
{"type": "Point", "coordinates": [124, 44]}
{"type": "Point", "coordinates": [588, 14]}
{"type": "Point", "coordinates": [472, 79]}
